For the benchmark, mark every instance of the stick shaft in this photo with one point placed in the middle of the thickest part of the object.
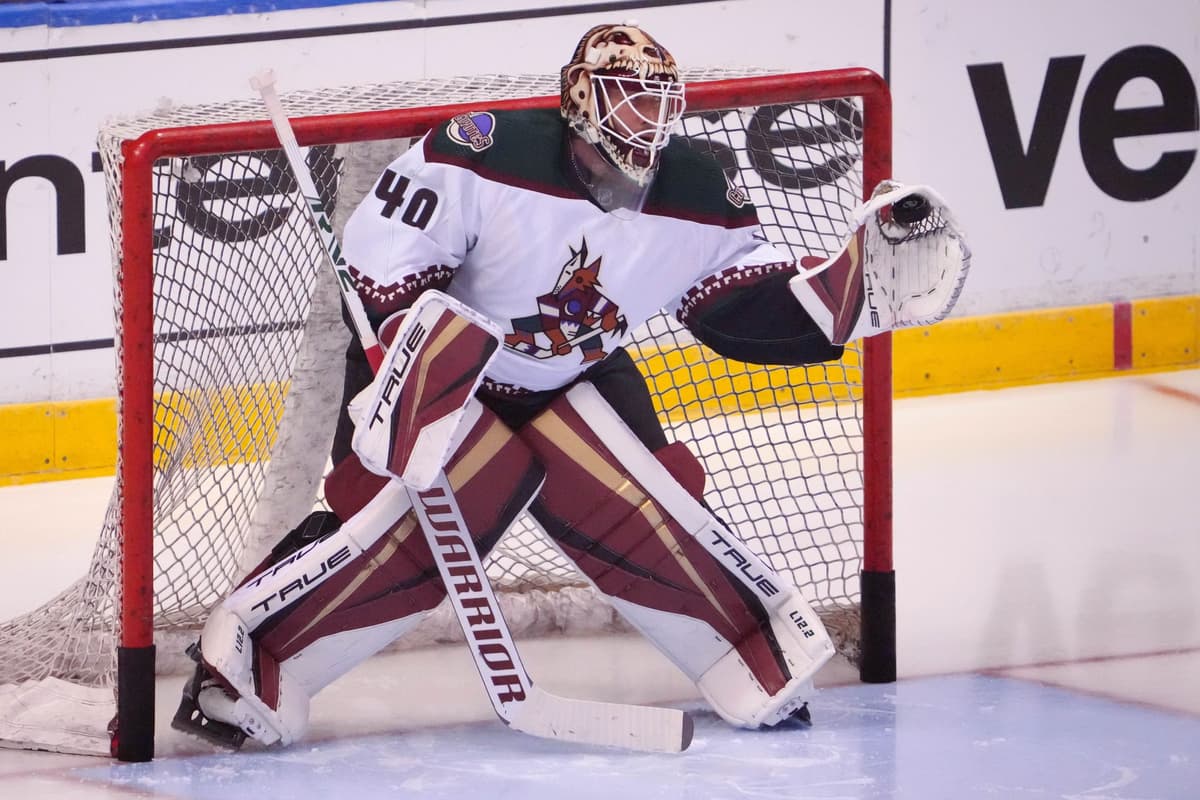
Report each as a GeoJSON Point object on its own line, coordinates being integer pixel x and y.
{"type": "Point", "coordinates": [315, 207]}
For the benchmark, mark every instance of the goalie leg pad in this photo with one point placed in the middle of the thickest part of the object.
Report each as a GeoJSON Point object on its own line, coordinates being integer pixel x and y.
{"type": "Point", "coordinates": [272, 653]}
{"type": "Point", "coordinates": [494, 477]}
{"type": "Point", "coordinates": [313, 528]}
{"type": "Point", "coordinates": [669, 566]}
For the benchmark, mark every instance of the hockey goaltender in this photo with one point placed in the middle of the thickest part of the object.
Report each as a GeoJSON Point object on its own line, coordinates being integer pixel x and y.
{"type": "Point", "coordinates": [506, 255]}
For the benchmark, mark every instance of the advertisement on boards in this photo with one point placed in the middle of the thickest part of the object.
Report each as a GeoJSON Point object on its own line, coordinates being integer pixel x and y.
{"type": "Point", "coordinates": [1065, 139]}
{"type": "Point", "coordinates": [60, 82]}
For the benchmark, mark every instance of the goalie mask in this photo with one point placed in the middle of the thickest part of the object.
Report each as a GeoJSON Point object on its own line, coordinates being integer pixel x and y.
{"type": "Point", "coordinates": [621, 93]}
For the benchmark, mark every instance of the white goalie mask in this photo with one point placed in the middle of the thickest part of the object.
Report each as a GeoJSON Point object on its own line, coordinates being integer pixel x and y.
{"type": "Point", "coordinates": [621, 92]}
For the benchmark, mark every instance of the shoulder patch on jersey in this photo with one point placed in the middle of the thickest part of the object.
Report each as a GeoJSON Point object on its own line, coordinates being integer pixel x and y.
{"type": "Point", "coordinates": [474, 129]}
{"type": "Point", "coordinates": [525, 155]}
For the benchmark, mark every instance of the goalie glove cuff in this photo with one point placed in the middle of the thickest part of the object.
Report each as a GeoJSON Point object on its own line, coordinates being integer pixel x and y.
{"type": "Point", "coordinates": [834, 293]}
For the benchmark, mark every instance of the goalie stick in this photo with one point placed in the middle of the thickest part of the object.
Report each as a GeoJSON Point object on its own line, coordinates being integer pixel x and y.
{"type": "Point", "coordinates": [514, 697]}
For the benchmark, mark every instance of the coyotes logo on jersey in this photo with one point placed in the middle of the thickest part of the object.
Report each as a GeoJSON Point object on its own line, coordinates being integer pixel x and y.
{"type": "Point", "coordinates": [574, 314]}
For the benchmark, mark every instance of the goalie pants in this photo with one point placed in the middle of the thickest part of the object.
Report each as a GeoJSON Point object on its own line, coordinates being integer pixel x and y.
{"type": "Point", "coordinates": [617, 379]}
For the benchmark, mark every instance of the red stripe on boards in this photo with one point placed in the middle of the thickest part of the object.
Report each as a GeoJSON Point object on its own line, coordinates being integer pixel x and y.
{"type": "Point", "coordinates": [1122, 335]}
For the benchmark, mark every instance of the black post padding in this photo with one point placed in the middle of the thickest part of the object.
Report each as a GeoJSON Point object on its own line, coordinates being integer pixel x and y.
{"type": "Point", "coordinates": [878, 627]}
{"type": "Point", "coordinates": [133, 738]}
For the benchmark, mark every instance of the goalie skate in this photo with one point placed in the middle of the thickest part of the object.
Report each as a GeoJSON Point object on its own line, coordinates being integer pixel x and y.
{"type": "Point", "coordinates": [190, 717]}
{"type": "Point", "coordinates": [800, 718]}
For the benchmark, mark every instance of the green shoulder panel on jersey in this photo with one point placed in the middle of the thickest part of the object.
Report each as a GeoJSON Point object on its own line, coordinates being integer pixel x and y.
{"type": "Point", "coordinates": [518, 148]}
{"type": "Point", "coordinates": [522, 148]}
{"type": "Point", "coordinates": [691, 185]}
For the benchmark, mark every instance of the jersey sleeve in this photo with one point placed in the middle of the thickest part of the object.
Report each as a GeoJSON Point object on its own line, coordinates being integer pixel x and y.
{"type": "Point", "coordinates": [411, 232]}
{"type": "Point", "coordinates": [743, 308]}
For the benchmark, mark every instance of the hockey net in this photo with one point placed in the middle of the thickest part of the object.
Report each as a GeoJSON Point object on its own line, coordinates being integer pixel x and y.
{"type": "Point", "coordinates": [229, 351]}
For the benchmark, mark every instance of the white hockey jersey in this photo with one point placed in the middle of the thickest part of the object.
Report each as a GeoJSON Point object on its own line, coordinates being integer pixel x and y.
{"type": "Point", "coordinates": [482, 209]}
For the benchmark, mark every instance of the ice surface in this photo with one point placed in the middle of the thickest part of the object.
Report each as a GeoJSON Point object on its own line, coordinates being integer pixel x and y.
{"type": "Point", "coordinates": [951, 737]}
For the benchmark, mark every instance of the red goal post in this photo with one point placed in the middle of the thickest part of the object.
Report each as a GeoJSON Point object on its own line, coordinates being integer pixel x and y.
{"type": "Point", "coordinates": [761, 432]}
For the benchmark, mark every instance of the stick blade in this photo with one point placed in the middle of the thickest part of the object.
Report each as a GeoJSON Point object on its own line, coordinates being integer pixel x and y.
{"type": "Point", "coordinates": [642, 728]}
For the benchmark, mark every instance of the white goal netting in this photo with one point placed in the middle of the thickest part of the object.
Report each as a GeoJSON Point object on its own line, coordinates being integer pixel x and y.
{"type": "Point", "coordinates": [247, 349]}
